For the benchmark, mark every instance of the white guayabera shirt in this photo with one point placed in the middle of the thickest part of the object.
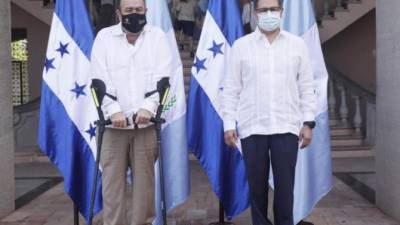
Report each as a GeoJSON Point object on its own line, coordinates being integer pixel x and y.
{"type": "Point", "coordinates": [130, 71]}
{"type": "Point", "coordinates": [269, 88]}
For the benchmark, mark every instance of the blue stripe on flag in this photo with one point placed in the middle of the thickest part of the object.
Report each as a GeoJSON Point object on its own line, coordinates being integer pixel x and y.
{"type": "Point", "coordinates": [226, 14]}
{"type": "Point", "coordinates": [76, 21]}
{"type": "Point", "coordinates": [314, 170]}
{"type": "Point", "coordinates": [176, 163]}
{"type": "Point", "coordinates": [62, 142]}
{"type": "Point", "coordinates": [224, 166]}
{"type": "Point", "coordinates": [158, 14]}
{"type": "Point", "coordinates": [298, 16]}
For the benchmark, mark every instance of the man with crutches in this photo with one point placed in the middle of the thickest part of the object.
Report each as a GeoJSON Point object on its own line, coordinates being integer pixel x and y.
{"type": "Point", "coordinates": [130, 58]}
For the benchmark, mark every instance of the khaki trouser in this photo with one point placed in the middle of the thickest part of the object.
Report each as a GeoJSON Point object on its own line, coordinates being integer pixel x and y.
{"type": "Point", "coordinates": [137, 149]}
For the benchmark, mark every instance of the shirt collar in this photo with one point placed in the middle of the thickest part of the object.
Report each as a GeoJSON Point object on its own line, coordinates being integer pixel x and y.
{"type": "Point", "coordinates": [117, 30]}
{"type": "Point", "coordinates": [260, 36]}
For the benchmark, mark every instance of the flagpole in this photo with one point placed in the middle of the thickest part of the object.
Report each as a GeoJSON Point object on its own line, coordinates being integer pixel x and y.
{"type": "Point", "coordinates": [221, 217]}
{"type": "Point", "coordinates": [76, 215]}
{"type": "Point", "coordinates": [90, 2]}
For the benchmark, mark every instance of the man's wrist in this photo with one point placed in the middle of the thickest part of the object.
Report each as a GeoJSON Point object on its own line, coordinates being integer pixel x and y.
{"type": "Point", "coordinates": [229, 125]}
{"type": "Point", "coordinates": [310, 124]}
{"type": "Point", "coordinates": [116, 114]}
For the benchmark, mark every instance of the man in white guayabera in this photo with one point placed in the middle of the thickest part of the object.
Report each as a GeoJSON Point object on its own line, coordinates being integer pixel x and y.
{"type": "Point", "coordinates": [130, 57]}
{"type": "Point", "coordinates": [268, 101]}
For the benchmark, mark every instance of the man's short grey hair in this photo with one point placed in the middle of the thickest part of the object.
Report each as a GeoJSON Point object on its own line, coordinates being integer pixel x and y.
{"type": "Point", "coordinates": [280, 2]}
{"type": "Point", "coordinates": [118, 3]}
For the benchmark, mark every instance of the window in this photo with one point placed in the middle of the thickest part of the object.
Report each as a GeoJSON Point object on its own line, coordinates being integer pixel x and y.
{"type": "Point", "coordinates": [20, 78]}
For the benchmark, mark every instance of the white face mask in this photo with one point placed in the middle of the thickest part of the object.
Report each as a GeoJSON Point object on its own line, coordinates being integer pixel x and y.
{"type": "Point", "coordinates": [269, 21]}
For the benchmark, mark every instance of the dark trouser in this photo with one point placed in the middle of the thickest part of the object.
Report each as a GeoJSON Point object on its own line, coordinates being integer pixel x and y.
{"type": "Point", "coordinates": [281, 151]}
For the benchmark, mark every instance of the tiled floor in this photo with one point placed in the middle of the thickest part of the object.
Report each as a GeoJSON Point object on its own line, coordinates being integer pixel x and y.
{"type": "Point", "coordinates": [342, 206]}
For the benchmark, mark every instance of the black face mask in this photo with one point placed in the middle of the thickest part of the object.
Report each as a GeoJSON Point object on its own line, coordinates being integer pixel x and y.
{"type": "Point", "coordinates": [134, 22]}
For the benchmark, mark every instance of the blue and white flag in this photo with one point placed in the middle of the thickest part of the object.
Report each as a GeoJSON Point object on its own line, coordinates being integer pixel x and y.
{"type": "Point", "coordinates": [224, 166]}
{"type": "Point", "coordinates": [174, 142]}
{"type": "Point", "coordinates": [67, 111]}
{"type": "Point", "coordinates": [314, 169]}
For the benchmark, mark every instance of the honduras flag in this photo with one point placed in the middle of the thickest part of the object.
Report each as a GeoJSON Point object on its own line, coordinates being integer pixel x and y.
{"type": "Point", "coordinates": [314, 169]}
{"type": "Point", "coordinates": [174, 142]}
{"type": "Point", "coordinates": [67, 111]}
{"type": "Point", "coordinates": [224, 166]}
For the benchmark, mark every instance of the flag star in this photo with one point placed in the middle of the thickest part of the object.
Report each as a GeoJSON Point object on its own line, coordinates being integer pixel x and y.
{"type": "Point", "coordinates": [79, 90]}
{"type": "Point", "coordinates": [48, 64]}
{"type": "Point", "coordinates": [63, 49]}
{"type": "Point", "coordinates": [91, 131]}
{"type": "Point", "coordinates": [216, 48]}
{"type": "Point", "coordinates": [199, 64]}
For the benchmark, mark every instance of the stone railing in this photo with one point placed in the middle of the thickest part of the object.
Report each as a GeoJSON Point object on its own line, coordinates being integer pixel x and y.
{"type": "Point", "coordinates": [351, 105]}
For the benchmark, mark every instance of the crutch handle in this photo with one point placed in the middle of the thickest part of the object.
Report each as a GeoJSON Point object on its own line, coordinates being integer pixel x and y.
{"type": "Point", "coordinates": [108, 122]}
{"type": "Point", "coordinates": [152, 120]}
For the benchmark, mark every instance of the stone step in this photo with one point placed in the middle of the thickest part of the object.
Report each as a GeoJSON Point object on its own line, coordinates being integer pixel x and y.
{"type": "Point", "coordinates": [341, 9]}
{"type": "Point", "coordinates": [338, 123]}
{"type": "Point", "coordinates": [185, 55]}
{"type": "Point", "coordinates": [186, 89]}
{"type": "Point", "coordinates": [328, 17]}
{"type": "Point", "coordinates": [30, 156]}
{"type": "Point", "coordinates": [354, 2]}
{"type": "Point", "coordinates": [352, 148]}
{"type": "Point", "coordinates": [352, 152]}
{"type": "Point", "coordinates": [186, 80]}
{"type": "Point", "coordinates": [187, 71]}
{"type": "Point", "coordinates": [186, 42]}
{"type": "Point", "coordinates": [186, 47]}
{"type": "Point", "coordinates": [347, 141]}
{"type": "Point", "coordinates": [341, 131]}
{"type": "Point", "coordinates": [187, 63]}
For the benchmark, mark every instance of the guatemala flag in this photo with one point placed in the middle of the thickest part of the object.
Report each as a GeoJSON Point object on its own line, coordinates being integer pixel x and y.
{"type": "Point", "coordinates": [174, 143]}
{"type": "Point", "coordinates": [224, 166]}
{"type": "Point", "coordinates": [314, 169]}
{"type": "Point", "coordinates": [67, 111]}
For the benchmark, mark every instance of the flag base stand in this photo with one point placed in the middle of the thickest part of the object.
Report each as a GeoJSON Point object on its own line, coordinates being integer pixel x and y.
{"type": "Point", "coordinates": [305, 223]}
{"type": "Point", "coordinates": [221, 217]}
{"type": "Point", "coordinates": [222, 223]}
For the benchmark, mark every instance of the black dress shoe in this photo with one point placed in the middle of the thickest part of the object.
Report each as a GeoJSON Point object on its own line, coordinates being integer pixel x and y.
{"type": "Point", "coordinates": [305, 223]}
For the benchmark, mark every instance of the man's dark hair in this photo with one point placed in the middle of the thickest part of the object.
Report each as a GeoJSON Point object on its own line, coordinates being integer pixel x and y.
{"type": "Point", "coordinates": [280, 2]}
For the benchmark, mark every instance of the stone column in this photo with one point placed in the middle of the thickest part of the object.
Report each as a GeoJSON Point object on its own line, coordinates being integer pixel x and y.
{"type": "Point", "coordinates": [388, 107]}
{"type": "Point", "coordinates": [7, 182]}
